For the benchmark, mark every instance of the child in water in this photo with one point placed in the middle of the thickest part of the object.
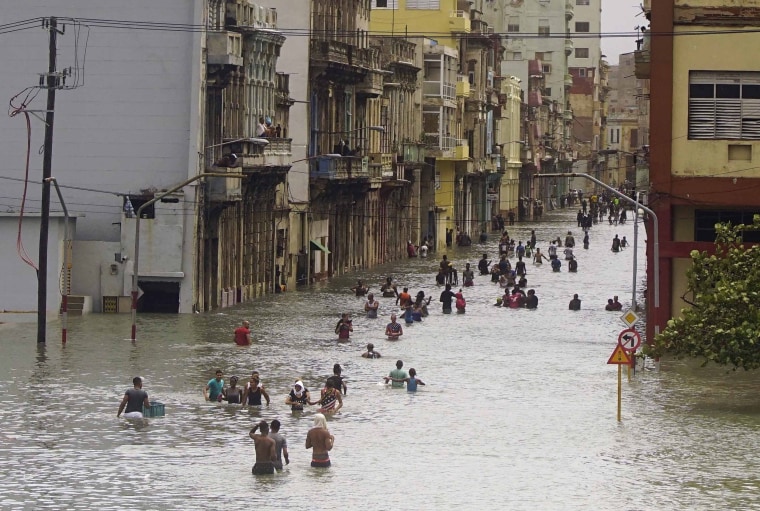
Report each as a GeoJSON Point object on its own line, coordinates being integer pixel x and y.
{"type": "Point", "coordinates": [460, 303]}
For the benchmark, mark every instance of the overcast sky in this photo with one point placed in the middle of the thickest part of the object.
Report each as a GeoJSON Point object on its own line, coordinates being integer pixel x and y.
{"type": "Point", "coordinates": [620, 16]}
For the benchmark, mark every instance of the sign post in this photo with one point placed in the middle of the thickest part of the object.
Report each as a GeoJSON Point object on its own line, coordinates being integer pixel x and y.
{"type": "Point", "coordinates": [620, 357]}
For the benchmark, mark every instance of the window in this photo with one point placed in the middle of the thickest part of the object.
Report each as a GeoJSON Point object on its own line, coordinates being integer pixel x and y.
{"type": "Point", "coordinates": [581, 53]}
{"type": "Point", "coordinates": [544, 56]}
{"type": "Point", "coordinates": [547, 91]}
{"type": "Point", "coordinates": [547, 68]}
{"type": "Point", "coordinates": [705, 220]}
{"type": "Point", "coordinates": [724, 105]}
{"type": "Point", "coordinates": [543, 27]}
{"type": "Point", "coordinates": [515, 55]}
{"type": "Point", "coordinates": [581, 2]}
{"type": "Point", "coordinates": [433, 5]}
{"type": "Point", "coordinates": [582, 73]}
{"type": "Point", "coordinates": [513, 24]}
{"type": "Point", "coordinates": [580, 26]}
{"type": "Point", "coordinates": [614, 135]}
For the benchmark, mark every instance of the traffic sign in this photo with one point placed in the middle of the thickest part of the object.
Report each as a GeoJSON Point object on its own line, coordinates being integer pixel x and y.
{"type": "Point", "coordinates": [629, 318]}
{"type": "Point", "coordinates": [619, 356]}
{"type": "Point", "coordinates": [629, 339]}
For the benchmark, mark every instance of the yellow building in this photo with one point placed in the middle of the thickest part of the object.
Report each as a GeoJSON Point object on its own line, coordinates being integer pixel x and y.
{"type": "Point", "coordinates": [509, 140]}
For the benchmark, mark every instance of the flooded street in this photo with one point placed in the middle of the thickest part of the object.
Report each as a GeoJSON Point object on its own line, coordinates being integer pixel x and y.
{"type": "Point", "coordinates": [519, 411]}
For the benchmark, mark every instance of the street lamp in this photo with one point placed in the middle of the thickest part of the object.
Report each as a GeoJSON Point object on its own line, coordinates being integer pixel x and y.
{"type": "Point", "coordinates": [155, 199]}
{"type": "Point", "coordinates": [636, 205]}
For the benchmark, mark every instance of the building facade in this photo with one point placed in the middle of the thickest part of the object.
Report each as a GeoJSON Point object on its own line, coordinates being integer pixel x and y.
{"type": "Point", "coordinates": [131, 128]}
{"type": "Point", "coordinates": [703, 99]}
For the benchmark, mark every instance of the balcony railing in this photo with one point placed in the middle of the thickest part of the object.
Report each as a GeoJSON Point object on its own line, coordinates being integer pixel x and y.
{"type": "Point", "coordinates": [436, 141]}
{"type": "Point", "coordinates": [337, 169]}
{"type": "Point", "coordinates": [224, 49]}
{"type": "Point", "coordinates": [412, 153]}
{"type": "Point", "coordinates": [459, 21]}
{"type": "Point", "coordinates": [436, 89]}
{"type": "Point", "coordinates": [254, 154]}
{"type": "Point", "coordinates": [241, 13]}
{"type": "Point", "coordinates": [340, 53]}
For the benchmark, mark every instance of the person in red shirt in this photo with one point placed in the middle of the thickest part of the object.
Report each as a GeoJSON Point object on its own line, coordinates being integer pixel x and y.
{"type": "Point", "coordinates": [243, 334]}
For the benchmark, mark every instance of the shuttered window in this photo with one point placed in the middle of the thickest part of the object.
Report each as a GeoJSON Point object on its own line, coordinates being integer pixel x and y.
{"type": "Point", "coordinates": [724, 105]}
{"type": "Point", "coordinates": [433, 5]}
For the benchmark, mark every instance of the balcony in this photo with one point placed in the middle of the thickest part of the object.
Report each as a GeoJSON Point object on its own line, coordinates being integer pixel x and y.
{"type": "Point", "coordinates": [459, 21]}
{"type": "Point", "coordinates": [224, 49]}
{"type": "Point", "coordinates": [436, 145]}
{"type": "Point", "coordinates": [381, 165]}
{"type": "Point", "coordinates": [463, 86]}
{"type": "Point", "coordinates": [265, 154]}
{"type": "Point", "coordinates": [436, 89]}
{"type": "Point", "coordinates": [242, 13]}
{"type": "Point", "coordinates": [568, 81]}
{"type": "Point", "coordinates": [339, 57]}
{"type": "Point", "coordinates": [397, 51]}
{"type": "Point", "coordinates": [222, 189]}
{"type": "Point", "coordinates": [340, 169]}
{"type": "Point", "coordinates": [642, 59]}
{"type": "Point", "coordinates": [569, 10]}
{"type": "Point", "coordinates": [569, 47]}
{"type": "Point", "coordinates": [567, 115]}
{"type": "Point", "coordinates": [461, 149]}
{"type": "Point", "coordinates": [642, 63]}
{"type": "Point", "coordinates": [412, 154]}
{"type": "Point", "coordinates": [371, 86]}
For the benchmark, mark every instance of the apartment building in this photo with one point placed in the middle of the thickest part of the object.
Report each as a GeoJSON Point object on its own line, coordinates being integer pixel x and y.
{"type": "Point", "coordinates": [705, 136]}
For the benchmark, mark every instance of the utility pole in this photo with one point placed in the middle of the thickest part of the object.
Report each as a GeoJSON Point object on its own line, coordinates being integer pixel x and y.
{"type": "Point", "coordinates": [52, 84]}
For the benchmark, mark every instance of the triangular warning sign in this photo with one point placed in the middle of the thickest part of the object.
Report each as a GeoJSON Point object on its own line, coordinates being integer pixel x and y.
{"type": "Point", "coordinates": [619, 356]}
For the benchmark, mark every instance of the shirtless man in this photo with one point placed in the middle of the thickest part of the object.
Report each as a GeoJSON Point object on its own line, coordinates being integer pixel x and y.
{"type": "Point", "coordinates": [320, 439]}
{"type": "Point", "coordinates": [265, 451]}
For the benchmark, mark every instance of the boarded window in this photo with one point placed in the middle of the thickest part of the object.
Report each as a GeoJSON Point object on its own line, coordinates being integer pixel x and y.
{"type": "Point", "coordinates": [724, 105]}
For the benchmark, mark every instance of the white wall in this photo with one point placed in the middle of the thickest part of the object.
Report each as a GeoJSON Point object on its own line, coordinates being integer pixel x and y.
{"type": "Point", "coordinates": [91, 271]}
{"type": "Point", "coordinates": [19, 281]}
{"type": "Point", "coordinates": [132, 126]}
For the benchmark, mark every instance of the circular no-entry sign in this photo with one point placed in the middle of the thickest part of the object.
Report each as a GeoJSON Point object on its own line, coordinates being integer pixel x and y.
{"type": "Point", "coordinates": [629, 339]}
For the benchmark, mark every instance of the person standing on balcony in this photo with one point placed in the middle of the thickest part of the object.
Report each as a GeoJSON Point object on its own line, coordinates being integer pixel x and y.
{"type": "Point", "coordinates": [261, 128]}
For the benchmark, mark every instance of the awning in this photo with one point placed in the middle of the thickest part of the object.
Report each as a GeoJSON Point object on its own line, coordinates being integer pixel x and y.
{"type": "Point", "coordinates": [320, 246]}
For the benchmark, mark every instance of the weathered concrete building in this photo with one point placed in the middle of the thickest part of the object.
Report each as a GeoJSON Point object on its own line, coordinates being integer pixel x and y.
{"type": "Point", "coordinates": [356, 199]}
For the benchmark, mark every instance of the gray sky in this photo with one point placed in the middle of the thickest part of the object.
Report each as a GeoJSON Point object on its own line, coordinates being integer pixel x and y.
{"type": "Point", "coordinates": [620, 16]}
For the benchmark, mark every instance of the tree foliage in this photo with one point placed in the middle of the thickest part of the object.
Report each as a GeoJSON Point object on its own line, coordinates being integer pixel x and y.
{"type": "Point", "coordinates": [723, 324]}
